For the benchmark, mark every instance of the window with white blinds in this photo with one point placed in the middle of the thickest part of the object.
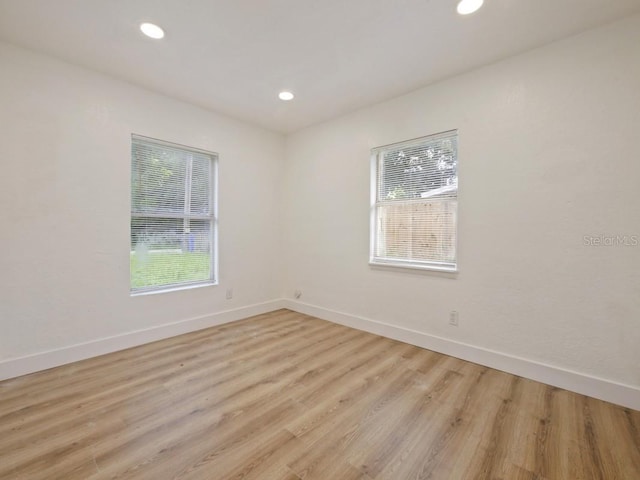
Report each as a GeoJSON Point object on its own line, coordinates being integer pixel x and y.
{"type": "Point", "coordinates": [173, 221]}
{"type": "Point", "coordinates": [415, 203]}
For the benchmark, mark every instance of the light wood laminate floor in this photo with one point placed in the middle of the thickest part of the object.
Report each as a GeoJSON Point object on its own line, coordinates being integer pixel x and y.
{"type": "Point", "coordinates": [284, 396]}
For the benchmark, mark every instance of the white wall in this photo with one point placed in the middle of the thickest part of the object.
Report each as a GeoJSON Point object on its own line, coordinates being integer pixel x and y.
{"type": "Point", "coordinates": [64, 208]}
{"type": "Point", "coordinates": [549, 153]}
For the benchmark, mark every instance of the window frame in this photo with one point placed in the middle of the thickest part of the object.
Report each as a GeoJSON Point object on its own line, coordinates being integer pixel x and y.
{"type": "Point", "coordinates": [395, 262]}
{"type": "Point", "coordinates": [212, 217]}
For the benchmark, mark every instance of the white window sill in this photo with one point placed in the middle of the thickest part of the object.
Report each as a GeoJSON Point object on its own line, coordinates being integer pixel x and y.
{"type": "Point", "coordinates": [172, 289]}
{"type": "Point", "coordinates": [432, 267]}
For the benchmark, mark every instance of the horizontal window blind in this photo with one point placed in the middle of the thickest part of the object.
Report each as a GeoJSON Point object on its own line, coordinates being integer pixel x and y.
{"type": "Point", "coordinates": [172, 215]}
{"type": "Point", "coordinates": [416, 203]}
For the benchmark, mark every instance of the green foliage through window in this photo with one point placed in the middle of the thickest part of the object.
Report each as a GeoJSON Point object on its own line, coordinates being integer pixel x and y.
{"type": "Point", "coordinates": [172, 215]}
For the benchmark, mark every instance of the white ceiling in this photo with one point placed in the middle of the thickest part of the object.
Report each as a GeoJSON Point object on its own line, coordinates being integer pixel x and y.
{"type": "Point", "coordinates": [234, 56]}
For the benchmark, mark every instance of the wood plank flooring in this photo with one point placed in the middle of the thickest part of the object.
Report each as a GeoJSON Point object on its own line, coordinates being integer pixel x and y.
{"type": "Point", "coordinates": [284, 396]}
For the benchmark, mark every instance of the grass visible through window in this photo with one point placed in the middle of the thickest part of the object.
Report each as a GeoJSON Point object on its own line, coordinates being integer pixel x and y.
{"type": "Point", "coordinates": [168, 268]}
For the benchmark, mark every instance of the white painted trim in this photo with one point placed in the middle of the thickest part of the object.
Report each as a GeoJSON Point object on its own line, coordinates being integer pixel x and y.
{"type": "Point", "coordinates": [16, 367]}
{"type": "Point", "coordinates": [603, 389]}
{"type": "Point", "coordinates": [620, 394]}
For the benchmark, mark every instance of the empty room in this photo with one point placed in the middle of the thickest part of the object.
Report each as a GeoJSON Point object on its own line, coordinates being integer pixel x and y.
{"type": "Point", "coordinates": [328, 240]}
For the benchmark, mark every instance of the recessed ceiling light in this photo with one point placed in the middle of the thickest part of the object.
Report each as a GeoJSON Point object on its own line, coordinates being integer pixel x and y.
{"type": "Point", "coordinates": [465, 7]}
{"type": "Point", "coordinates": [151, 30]}
{"type": "Point", "coordinates": [286, 96]}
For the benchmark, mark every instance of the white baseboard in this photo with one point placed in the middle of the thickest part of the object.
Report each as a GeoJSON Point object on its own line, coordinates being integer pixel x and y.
{"type": "Point", "coordinates": [16, 367]}
{"type": "Point", "coordinates": [620, 394]}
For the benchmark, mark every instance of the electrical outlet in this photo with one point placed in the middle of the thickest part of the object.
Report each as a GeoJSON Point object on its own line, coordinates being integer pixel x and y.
{"type": "Point", "coordinates": [453, 318]}
{"type": "Point", "coordinates": [297, 293]}
{"type": "Point", "coordinates": [229, 293]}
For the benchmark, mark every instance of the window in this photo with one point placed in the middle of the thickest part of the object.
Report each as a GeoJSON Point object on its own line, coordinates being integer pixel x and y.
{"type": "Point", "coordinates": [415, 203]}
{"type": "Point", "coordinates": [173, 221]}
